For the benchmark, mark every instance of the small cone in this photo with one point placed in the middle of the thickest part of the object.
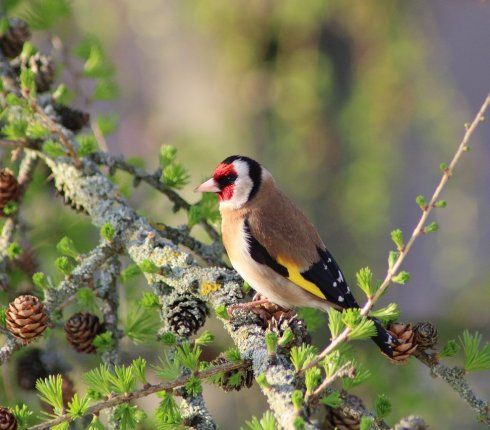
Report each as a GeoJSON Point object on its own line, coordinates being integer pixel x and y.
{"type": "Point", "coordinates": [336, 419]}
{"type": "Point", "coordinates": [297, 326]}
{"type": "Point", "coordinates": [425, 335]}
{"type": "Point", "coordinates": [26, 318]}
{"type": "Point", "coordinates": [186, 314]}
{"type": "Point", "coordinates": [80, 331]}
{"type": "Point", "coordinates": [245, 379]}
{"type": "Point", "coordinates": [12, 41]}
{"type": "Point", "coordinates": [7, 420]}
{"type": "Point", "coordinates": [406, 344]}
{"type": "Point", "coordinates": [9, 188]}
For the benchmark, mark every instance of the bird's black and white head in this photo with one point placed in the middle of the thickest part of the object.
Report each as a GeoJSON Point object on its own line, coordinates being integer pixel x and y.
{"type": "Point", "coordinates": [236, 181]}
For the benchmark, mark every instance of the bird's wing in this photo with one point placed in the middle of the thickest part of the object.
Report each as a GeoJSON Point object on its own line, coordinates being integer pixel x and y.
{"type": "Point", "coordinates": [313, 269]}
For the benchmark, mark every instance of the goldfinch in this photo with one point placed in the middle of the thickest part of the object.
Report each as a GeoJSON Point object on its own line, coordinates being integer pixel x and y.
{"type": "Point", "coordinates": [274, 247]}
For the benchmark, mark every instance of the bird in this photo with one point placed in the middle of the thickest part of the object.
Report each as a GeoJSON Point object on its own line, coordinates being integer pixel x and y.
{"type": "Point", "coordinates": [274, 247]}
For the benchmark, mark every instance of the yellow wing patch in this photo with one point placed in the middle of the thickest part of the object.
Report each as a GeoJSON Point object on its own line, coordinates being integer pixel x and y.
{"type": "Point", "coordinates": [296, 277]}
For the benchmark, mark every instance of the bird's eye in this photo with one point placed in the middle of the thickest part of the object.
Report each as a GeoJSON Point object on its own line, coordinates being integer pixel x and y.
{"type": "Point", "coordinates": [226, 180]}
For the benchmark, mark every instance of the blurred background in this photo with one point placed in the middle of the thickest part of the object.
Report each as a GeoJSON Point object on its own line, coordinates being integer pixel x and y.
{"type": "Point", "coordinates": [352, 106]}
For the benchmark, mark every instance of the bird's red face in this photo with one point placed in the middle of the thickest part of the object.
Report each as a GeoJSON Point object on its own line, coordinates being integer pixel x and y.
{"type": "Point", "coordinates": [235, 181]}
{"type": "Point", "coordinates": [222, 183]}
{"type": "Point", "coordinates": [225, 176]}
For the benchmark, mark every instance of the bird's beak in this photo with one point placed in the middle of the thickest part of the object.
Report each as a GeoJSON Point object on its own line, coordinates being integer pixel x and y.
{"type": "Point", "coordinates": [208, 187]}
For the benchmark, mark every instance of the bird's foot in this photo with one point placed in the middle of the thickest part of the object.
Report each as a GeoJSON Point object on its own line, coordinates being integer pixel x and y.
{"type": "Point", "coordinates": [250, 306]}
{"type": "Point", "coordinates": [263, 308]}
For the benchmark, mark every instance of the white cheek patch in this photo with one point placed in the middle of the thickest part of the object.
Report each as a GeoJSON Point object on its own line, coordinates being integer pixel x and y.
{"type": "Point", "coordinates": [242, 187]}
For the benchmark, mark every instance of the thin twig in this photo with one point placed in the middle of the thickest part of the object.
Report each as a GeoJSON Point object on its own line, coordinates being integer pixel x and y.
{"type": "Point", "coordinates": [345, 370]}
{"type": "Point", "coordinates": [145, 391]}
{"type": "Point", "coordinates": [12, 144]}
{"type": "Point", "coordinates": [54, 128]}
{"type": "Point", "coordinates": [454, 376]}
{"type": "Point", "coordinates": [151, 179]}
{"type": "Point", "coordinates": [344, 335]}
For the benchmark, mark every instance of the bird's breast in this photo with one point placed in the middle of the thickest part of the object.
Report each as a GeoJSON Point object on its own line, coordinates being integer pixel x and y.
{"type": "Point", "coordinates": [262, 278]}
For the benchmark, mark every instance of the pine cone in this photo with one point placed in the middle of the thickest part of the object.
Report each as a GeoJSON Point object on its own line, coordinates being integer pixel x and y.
{"type": "Point", "coordinates": [245, 379]}
{"type": "Point", "coordinates": [80, 331]}
{"type": "Point", "coordinates": [186, 314]}
{"type": "Point", "coordinates": [26, 318]}
{"type": "Point", "coordinates": [7, 420]}
{"type": "Point", "coordinates": [336, 419]}
{"type": "Point", "coordinates": [425, 335]}
{"type": "Point", "coordinates": [9, 188]}
{"type": "Point", "coordinates": [12, 41]}
{"type": "Point", "coordinates": [405, 336]}
{"type": "Point", "coordinates": [71, 119]}
{"type": "Point", "coordinates": [30, 367]}
{"type": "Point", "coordinates": [44, 70]}
{"type": "Point", "coordinates": [297, 326]}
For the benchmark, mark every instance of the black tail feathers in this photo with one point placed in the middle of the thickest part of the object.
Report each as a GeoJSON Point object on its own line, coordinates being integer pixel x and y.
{"type": "Point", "coordinates": [383, 339]}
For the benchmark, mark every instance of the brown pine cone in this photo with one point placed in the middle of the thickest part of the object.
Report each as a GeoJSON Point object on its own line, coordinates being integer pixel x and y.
{"type": "Point", "coordinates": [80, 331]}
{"type": "Point", "coordinates": [71, 119]}
{"type": "Point", "coordinates": [425, 335]}
{"type": "Point", "coordinates": [44, 70]}
{"type": "Point", "coordinates": [7, 420]}
{"type": "Point", "coordinates": [245, 378]}
{"type": "Point", "coordinates": [12, 41]}
{"type": "Point", "coordinates": [9, 188]}
{"type": "Point", "coordinates": [186, 314]}
{"type": "Point", "coordinates": [336, 419]}
{"type": "Point", "coordinates": [30, 367]}
{"type": "Point", "coordinates": [26, 318]}
{"type": "Point", "coordinates": [405, 336]}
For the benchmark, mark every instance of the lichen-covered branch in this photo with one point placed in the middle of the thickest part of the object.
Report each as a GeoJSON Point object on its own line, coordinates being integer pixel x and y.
{"type": "Point", "coordinates": [143, 392]}
{"type": "Point", "coordinates": [455, 378]}
{"type": "Point", "coordinates": [11, 345]}
{"type": "Point", "coordinates": [107, 291]}
{"type": "Point", "coordinates": [82, 274]}
{"type": "Point", "coordinates": [211, 254]}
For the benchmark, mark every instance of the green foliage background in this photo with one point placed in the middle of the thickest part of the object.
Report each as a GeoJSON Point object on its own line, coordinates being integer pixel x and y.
{"type": "Point", "coordinates": [350, 105]}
